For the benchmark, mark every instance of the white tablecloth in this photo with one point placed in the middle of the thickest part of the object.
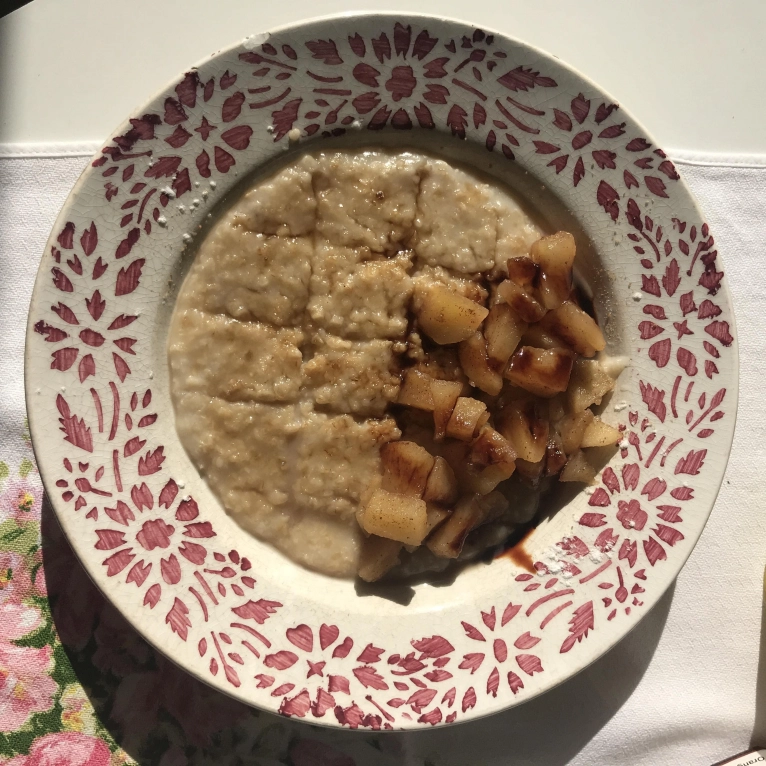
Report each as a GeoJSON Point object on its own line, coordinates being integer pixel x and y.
{"type": "Point", "coordinates": [685, 686]}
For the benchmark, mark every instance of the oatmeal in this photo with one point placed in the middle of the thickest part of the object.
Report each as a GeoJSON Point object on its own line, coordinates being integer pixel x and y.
{"type": "Point", "coordinates": [303, 344]}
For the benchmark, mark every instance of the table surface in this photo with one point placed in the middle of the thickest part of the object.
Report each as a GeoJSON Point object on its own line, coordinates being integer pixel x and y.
{"type": "Point", "coordinates": [70, 70]}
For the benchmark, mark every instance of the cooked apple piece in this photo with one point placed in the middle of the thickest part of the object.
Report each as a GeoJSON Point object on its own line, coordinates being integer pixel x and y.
{"type": "Point", "coordinates": [522, 423]}
{"type": "Point", "coordinates": [396, 517]}
{"type": "Point", "coordinates": [578, 469]}
{"type": "Point", "coordinates": [473, 359]}
{"type": "Point", "coordinates": [492, 448]}
{"type": "Point", "coordinates": [557, 407]}
{"type": "Point", "coordinates": [491, 460]}
{"type": "Point", "coordinates": [555, 458]}
{"type": "Point", "coordinates": [406, 467]}
{"type": "Point", "coordinates": [471, 478]}
{"type": "Point", "coordinates": [544, 372]}
{"type": "Point", "coordinates": [536, 336]}
{"type": "Point", "coordinates": [368, 492]}
{"type": "Point", "coordinates": [600, 434]}
{"type": "Point", "coordinates": [378, 556]}
{"type": "Point", "coordinates": [441, 486]}
{"type": "Point", "coordinates": [482, 481]}
{"type": "Point", "coordinates": [572, 429]}
{"type": "Point", "coordinates": [523, 303]}
{"type": "Point", "coordinates": [554, 251]}
{"type": "Point", "coordinates": [466, 418]}
{"type": "Point", "coordinates": [441, 363]}
{"type": "Point", "coordinates": [502, 330]}
{"type": "Point", "coordinates": [576, 327]}
{"type": "Point", "coordinates": [530, 472]}
{"type": "Point", "coordinates": [445, 394]}
{"type": "Point", "coordinates": [555, 255]}
{"type": "Point", "coordinates": [587, 385]}
{"type": "Point", "coordinates": [435, 515]}
{"type": "Point", "coordinates": [416, 391]}
{"type": "Point", "coordinates": [448, 317]}
{"type": "Point", "coordinates": [447, 540]}
{"type": "Point", "coordinates": [523, 271]}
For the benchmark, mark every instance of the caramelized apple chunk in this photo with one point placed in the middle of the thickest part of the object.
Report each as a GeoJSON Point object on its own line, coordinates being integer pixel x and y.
{"type": "Point", "coordinates": [525, 427]}
{"type": "Point", "coordinates": [543, 372]}
{"type": "Point", "coordinates": [476, 365]}
{"type": "Point", "coordinates": [588, 384]}
{"type": "Point", "coordinates": [441, 485]}
{"type": "Point", "coordinates": [503, 331]}
{"type": "Point", "coordinates": [578, 469]}
{"type": "Point", "coordinates": [396, 517]}
{"type": "Point", "coordinates": [577, 328]}
{"type": "Point", "coordinates": [416, 391]}
{"type": "Point", "coordinates": [378, 556]}
{"type": "Point", "coordinates": [572, 428]}
{"type": "Point", "coordinates": [447, 541]}
{"type": "Point", "coordinates": [523, 303]}
{"type": "Point", "coordinates": [406, 467]}
{"type": "Point", "coordinates": [445, 394]}
{"type": "Point", "coordinates": [448, 317]}
{"type": "Point", "coordinates": [555, 255]}
{"type": "Point", "coordinates": [523, 271]}
{"type": "Point", "coordinates": [467, 418]}
{"type": "Point", "coordinates": [600, 434]}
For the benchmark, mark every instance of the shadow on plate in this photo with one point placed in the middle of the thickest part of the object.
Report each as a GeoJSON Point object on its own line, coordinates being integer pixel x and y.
{"type": "Point", "coordinates": [402, 590]}
{"type": "Point", "coordinates": [158, 714]}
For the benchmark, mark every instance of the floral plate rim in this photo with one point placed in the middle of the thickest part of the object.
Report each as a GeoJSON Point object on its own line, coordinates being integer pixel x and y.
{"type": "Point", "coordinates": [188, 570]}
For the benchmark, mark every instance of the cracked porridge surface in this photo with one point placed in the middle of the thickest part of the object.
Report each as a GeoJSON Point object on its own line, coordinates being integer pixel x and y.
{"type": "Point", "coordinates": [287, 338]}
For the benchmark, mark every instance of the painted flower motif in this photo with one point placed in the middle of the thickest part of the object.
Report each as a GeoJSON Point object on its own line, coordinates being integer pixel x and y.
{"type": "Point", "coordinates": [25, 686]}
{"type": "Point", "coordinates": [588, 143]}
{"type": "Point", "coordinates": [429, 74]}
{"type": "Point", "coordinates": [21, 500]}
{"type": "Point", "coordinates": [97, 335]}
{"type": "Point", "coordinates": [648, 513]}
{"type": "Point", "coordinates": [77, 712]}
{"type": "Point", "coordinates": [666, 325]}
{"type": "Point", "coordinates": [144, 543]}
{"type": "Point", "coordinates": [66, 749]}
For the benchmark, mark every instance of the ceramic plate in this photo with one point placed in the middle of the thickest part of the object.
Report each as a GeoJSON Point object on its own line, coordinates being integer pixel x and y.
{"type": "Point", "coordinates": [231, 610]}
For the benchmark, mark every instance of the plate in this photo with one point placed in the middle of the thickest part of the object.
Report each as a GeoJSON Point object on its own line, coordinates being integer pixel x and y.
{"type": "Point", "coordinates": [231, 610]}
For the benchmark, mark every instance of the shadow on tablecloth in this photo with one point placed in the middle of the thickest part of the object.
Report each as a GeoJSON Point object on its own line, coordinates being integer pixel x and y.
{"type": "Point", "coordinates": [158, 714]}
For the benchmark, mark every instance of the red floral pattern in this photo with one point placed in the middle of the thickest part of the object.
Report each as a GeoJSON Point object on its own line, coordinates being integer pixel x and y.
{"type": "Point", "coordinates": [115, 484]}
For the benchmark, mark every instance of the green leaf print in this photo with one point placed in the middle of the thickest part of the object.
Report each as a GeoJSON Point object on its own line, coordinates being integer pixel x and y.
{"type": "Point", "coordinates": [19, 538]}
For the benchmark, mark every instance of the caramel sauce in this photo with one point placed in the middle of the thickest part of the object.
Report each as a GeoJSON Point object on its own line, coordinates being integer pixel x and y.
{"type": "Point", "coordinates": [523, 271]}
{"type": "Point", "coordinates": [519, 555]}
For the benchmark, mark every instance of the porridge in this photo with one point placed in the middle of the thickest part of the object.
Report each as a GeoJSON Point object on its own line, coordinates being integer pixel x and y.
{"type": "Point", "coordinates": [366, 348]}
